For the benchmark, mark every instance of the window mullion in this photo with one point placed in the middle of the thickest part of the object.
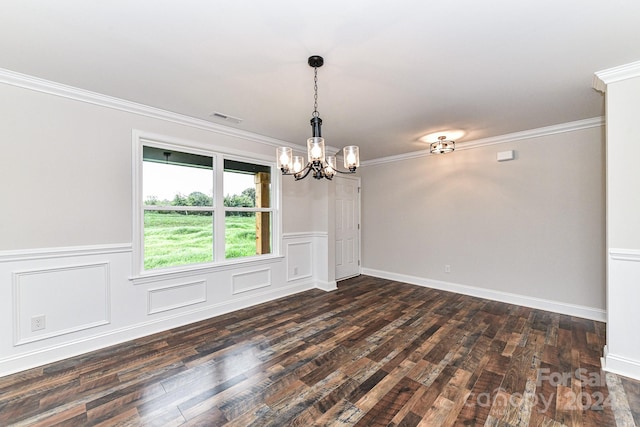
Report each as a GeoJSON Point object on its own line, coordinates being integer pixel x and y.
{"type": "Point", "coordinates": [219, 212]}
{"type": "Point", "coordinates": [178, 208]}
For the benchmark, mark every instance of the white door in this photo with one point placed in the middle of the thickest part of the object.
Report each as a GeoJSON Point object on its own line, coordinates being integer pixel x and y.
{"type": "Point", "coordinates": [347, 227]}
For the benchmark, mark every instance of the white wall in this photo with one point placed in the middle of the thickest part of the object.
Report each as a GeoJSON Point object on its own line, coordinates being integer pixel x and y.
{"type": "Point", "coordinates": [623, 219]}
{"type": "Point", "coordinates": [66, 228]}
{"type": "Point", "coordinates": [306, 204]}
{"type": "Point", "coordinates": [529, 231]}
{"type": "Point", "coordinates": [623, 169]}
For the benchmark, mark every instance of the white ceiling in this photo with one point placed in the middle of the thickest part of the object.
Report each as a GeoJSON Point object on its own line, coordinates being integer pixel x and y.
{"type": "Point", "coordinates": [394, 70]}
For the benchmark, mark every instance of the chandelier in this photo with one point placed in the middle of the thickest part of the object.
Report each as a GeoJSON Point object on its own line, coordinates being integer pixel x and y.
{"type": "Point", "coordinates": [319, 165]}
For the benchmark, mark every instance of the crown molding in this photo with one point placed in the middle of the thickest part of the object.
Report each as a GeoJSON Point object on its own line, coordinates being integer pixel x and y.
{"type": "Point", "coordinates": [25, 81]}
{"type": "Point", "coordinates": [501, 139]}
{"type": "Point", "coordinates": [611, 75]}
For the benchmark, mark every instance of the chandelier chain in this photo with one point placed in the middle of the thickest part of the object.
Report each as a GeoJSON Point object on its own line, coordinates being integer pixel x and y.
{"type": "Point", "coordinates": [315, 92]}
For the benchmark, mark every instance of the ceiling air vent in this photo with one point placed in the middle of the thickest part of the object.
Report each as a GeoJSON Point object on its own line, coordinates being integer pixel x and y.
{"type": "Point", "coordinates": [217, 115]}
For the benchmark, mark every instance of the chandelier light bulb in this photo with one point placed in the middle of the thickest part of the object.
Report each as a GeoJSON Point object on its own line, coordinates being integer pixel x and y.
{"type": "Point", "coordinates": [284, 158]}
{"type": "Point", "coordinates": [298, 163]}
{"type": "Point", "coordinates": [315, 148]}
{"type": "Point", "coordinates": [315, 152]}
{"type": "Point", "coordinates": [351, 157]}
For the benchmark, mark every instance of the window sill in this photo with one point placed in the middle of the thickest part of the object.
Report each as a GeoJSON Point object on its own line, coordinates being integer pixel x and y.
{"type": "Point", "coordinates": [198, 269]}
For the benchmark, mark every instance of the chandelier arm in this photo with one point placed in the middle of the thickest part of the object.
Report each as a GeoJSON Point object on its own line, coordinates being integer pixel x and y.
{"type": "Point", "coordinates": [298, 176]}
{"type": "Point", "coordinates": [318, 170]}
{"type": "Point", "coordinates": [345, 173]}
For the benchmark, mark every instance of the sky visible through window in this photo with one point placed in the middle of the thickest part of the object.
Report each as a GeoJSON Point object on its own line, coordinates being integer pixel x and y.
{"type": "Point", "coordinates": [164, 181]}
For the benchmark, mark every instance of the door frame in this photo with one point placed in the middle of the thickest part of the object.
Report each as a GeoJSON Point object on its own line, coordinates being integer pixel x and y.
{"type": "Point", "coordinates": [358, 182]}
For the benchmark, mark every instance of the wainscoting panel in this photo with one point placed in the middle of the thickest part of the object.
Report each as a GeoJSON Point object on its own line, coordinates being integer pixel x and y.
{"type": "Point", "coordinates": [622, 355]}
{"type": "Point", "coordinates": [251, 280]}
{"type": "Point", "coordinates": [61, 299]}
{"type": "Point", "coordinates": [90, 297]}
{"type": "Point", "coordinates": [299, 260]}
{"type": "Point", "coordinates": [177, 296]}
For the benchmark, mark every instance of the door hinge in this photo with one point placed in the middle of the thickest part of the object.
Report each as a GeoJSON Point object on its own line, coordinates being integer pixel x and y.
{"type": "Point", "coordinates": [358, 226]}
{"type": "Point", "coordinates": [358, 189]}
{"type": "Point", "coordinates": [358, 262]}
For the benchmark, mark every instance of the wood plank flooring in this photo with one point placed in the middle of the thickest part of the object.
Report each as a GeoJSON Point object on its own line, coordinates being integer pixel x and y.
{"type": "Point", "coordinates": [372, 353]}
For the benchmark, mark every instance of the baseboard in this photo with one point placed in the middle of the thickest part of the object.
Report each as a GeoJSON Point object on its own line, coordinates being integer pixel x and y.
{"type": "Point", "coordinates": [527, 301]}
{"type": "Point", "coordinates": [620, 365]}
{"type": "Point", "coordinates": [327, 286]}
{"type": "Point", "coordinates": [69, 349]}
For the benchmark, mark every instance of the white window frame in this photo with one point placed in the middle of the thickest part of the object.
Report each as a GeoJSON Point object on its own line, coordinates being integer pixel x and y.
{"type": "Point", "coordinates": [219, 154]}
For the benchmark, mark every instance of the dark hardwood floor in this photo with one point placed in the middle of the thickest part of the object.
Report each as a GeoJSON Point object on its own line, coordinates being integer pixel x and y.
{"type": "Point", "coordinates": [372, 353]}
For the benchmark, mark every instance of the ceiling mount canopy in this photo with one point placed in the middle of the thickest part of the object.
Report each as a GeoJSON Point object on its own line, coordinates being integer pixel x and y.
{"type": "Point", "coordinates": [322, 166]}
{"type": "Point", "coordinates": [315, 61]}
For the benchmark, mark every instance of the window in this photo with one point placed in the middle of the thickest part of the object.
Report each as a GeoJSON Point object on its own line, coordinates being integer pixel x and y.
{"type": "Point", "coordinates": [247, 203]}
{"type": "Point", "coordinates": [196, 206]}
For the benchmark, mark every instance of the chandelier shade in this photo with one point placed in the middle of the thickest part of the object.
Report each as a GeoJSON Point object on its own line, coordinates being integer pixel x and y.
{"type": "Point", "coordinates": [315, 149]}
{"type": "Point", "coordinates": [319, 164]}
{"type": "Point", "coordinates": [285, 158]}
{"type": "Point", "coordinates": [351, 156]}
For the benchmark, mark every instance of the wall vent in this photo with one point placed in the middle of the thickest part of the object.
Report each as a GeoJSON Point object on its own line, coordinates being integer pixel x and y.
{"type": "Point", "coordinates": [222, 116]}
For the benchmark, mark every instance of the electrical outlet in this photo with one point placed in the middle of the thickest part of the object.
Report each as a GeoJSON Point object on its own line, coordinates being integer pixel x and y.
{"type": "Point", "coordinates": [38, 323]}
{"type": "Point", "coordinates": [447, 268]}
{"type": "Point", "coordinates": [295, 271]}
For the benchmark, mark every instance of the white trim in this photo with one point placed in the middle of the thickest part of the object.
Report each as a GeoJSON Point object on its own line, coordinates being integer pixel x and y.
{"type": "Point", "coordinates": [23, 361]}
{"type": "Point", "coordinates": [25, 81]}
{"type": "Point", "coordinates": [358, 197]}
{"type": "Point", "coordinates": [611, 75]}
{"type": "Point", "coordinates": [203, 148]}
{"type": "Point", "coordinates": [620, 365]}
{"type": "Point", "coordinates": [624, 254]}
{"type": "Point", "coordinates": [70, 251]}
{"type": "Point", "coordinates": [198, 269]}
{"type": "Point", "coordinates": [327, 286]}
{"type": "Point", "coordinates": [524, 300]}
{"type": "Point", "coordinates": [153, 291]}
{"type": "Point", "coordinates": [236, 291]}
{"type": "Point", "coordinates": [501, 139]}
{"type": "Point", "coordinates": [305, 235]}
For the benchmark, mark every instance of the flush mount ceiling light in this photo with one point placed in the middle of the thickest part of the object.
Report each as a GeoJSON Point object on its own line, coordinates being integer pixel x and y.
{"type": "Point", "coordinates": [321, 166]}
{"type": "Point", "coordinates": [442, 142]}
{"type": "Point", "coordinates": [442, 145]}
